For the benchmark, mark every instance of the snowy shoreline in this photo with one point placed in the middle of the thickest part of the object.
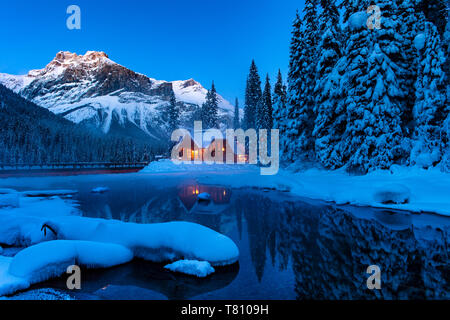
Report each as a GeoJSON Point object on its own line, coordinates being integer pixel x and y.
{"type": "Point", "coordinates": [55, 236]}
{"type": "Point", "coordinates": [402, 188]}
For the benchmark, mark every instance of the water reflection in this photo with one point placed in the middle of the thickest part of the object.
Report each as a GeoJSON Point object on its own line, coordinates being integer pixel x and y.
{"type": "Point", "coordinates": [148, 280]}
{"type": "Point", "coordinates": [313, 251]}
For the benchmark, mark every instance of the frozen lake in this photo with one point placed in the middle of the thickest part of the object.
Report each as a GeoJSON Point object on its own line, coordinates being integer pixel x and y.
{"type": "Point", "coordinates": [290, 248]}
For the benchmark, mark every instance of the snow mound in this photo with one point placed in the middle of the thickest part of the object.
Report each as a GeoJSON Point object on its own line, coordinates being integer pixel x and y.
{"type": "Point", "coordinates": [357, 21]}
{"type": "Point", "coordinates": [419, 41]}
{"type": "Point", "coordinates": [51, 259]}
{"type": "Point", "coordinates": [199, 269]}
{"type": "Point", "coordinates": [393, 194]}
{"type": "Point", "coordinates": [157, 242]}
{"type": "Point", "coordinates": [63, 239]}
{"type": "Point", "coordinates": [21, 226]}
{"type": "Point", "coordinates": [204, 196]}
{"type": "Point", "coordinates": [9, 200]}
{"type": "Point", "coordinates": [8, 283]}
{"type": "Point", "coordinates": [6, 191]}
{"type": "Point", "coordinates": [100, 190]}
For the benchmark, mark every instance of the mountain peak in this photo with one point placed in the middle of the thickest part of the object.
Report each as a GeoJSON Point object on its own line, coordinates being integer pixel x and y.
{"type": "Point", "coordinates": [95, 90]}
{"type": "Point", "coordinates": [190, 83]}
{"type": "Point", "coordinates": [66, 59]}
{"type": "Point", "coordinates": [66, 56]}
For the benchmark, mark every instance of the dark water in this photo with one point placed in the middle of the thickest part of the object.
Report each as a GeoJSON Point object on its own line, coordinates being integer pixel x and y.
{"type": "Point", "coordinates": [291, 248]}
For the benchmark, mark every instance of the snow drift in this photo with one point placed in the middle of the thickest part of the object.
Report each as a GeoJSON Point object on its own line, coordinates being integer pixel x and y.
{"type": "Point", "coordinates": [58, 238]}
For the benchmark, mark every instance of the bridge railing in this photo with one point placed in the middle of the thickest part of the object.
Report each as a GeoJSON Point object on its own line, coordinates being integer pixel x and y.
{"type": "Point", "coordinates": [74, 165]}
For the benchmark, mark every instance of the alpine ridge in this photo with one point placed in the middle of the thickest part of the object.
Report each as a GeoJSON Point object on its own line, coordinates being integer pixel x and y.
{"type": "Point", "coordinates": [93, 90]}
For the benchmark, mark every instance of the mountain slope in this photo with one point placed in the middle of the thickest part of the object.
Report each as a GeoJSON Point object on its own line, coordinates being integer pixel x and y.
{"type": "Point", "coordinates": [30, 134]}
{"type": "Point", "coordinates": [94, 90]}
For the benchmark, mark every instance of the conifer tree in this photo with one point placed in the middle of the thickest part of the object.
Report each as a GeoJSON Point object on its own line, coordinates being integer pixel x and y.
{"type": "Point", "coordinates": [431, 107]}
{"type": "Point", "coordinates": [264, 114]}
{"type": "Point", "coordinates": [210, 109]}
{"type": "Point", "coordinates": [173, 113]}
{"type": "Point", "coordinates": [279, 105]}
{"type": "Point", "coordinates": [353, 85]}
{"type": "Point", "coordinates": [301, 84]}
{"type": "Point", "coordinates": [374, 132]}
{"type": "Point", "coordinates": [327, 91]}
{"type": "Point", "coordinates": [253, 95]}
{"type": "Point", "coordinates": [236, 119]}
{"type": "Point", "coordinates": [350, 7]}
{"type": "Point", "coordinates": [294, 85]}
{"type": "Point", "coordinates": [407, 60]}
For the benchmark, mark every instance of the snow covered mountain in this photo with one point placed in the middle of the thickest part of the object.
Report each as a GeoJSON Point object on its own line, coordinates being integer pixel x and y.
{"type": "Point", "coordinates": [94, 90]}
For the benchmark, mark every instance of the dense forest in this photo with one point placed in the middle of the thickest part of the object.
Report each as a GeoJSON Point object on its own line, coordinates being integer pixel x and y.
{"type": "Point", "coordinates": [30, 134]}
{"type": "Point", "coordinates": [360, 95]}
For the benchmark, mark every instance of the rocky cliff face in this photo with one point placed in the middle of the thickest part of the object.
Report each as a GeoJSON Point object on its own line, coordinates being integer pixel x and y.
{"type": "Point", "coordinates": [94, 90]}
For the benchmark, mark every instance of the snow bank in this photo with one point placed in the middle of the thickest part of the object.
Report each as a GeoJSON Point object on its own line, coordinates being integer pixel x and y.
{"type": "Point", "coordinates": [48, 193]}
{"type": "Point", "coordinates": [9, 200]}
{"type": "Point", "coordinates": [8, 283]}
{"type": "Point", "coordinates": [21, 226]}
{"type": "Point", "coordinates": [199, 269]}
{"type": "Point", "coordinates": [167, 166]}
{"type": "Point", "coordinates": [154, 242]}
{"type": "Point", "coordinates": [51, 259]}
{"type": "Point", "coordinates": [96, 243]}
{"type": "Point", "coordinates": [428, 190]}
{"type": "Point", "coordinates": [6, 191]}
{"type": "Point", "coordinates": [392, 194]}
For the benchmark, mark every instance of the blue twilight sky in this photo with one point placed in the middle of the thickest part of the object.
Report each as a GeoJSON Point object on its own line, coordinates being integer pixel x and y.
{"type": "Point", "coordinates": [167, 40]}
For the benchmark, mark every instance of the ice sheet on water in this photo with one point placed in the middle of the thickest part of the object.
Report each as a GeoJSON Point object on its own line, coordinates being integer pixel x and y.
{"type": "Point", "coordinates": [100, 190]}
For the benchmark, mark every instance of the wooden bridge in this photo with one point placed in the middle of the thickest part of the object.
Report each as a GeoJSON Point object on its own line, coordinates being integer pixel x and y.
{"type": "Point", "coordinates": [30, 169]}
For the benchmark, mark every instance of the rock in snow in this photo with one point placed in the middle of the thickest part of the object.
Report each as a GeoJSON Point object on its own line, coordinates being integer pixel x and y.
{"type": "Point", "coordinates": [199, 269]}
